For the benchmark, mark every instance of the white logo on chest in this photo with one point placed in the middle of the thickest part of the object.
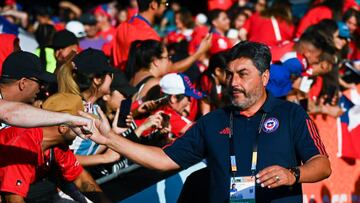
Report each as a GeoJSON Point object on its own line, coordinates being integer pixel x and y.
{"type": "Point", "coordinates": [270, 125]}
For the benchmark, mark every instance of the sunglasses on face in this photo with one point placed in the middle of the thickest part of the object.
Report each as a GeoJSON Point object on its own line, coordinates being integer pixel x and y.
{"type": "Point", "coordinates": [36, 80]}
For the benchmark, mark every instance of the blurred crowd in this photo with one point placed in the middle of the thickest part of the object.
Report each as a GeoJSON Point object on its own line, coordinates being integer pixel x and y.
{"type": "Point", "coordinates": [166, 64]}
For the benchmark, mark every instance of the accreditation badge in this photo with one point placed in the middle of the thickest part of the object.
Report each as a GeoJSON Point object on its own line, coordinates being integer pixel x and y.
{"type": "Point", "coordinates": [242, 189]}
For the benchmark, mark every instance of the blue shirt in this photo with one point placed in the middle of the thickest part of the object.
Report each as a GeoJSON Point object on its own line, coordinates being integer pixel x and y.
{"type": "Point", "coordinates": [287, 143]}
{"type": "Point", "coordinates": [86, 147]}
{"type": "Point", "coordinates": [280, 83]}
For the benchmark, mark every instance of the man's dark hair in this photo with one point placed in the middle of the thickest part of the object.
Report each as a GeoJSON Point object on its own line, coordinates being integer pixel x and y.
{"type": "Point", "coordinates": [214, 14]}
{"type": "Point", "coordinates": [144, 5]}
{"type": "Point", "coordinates": [258, 53]}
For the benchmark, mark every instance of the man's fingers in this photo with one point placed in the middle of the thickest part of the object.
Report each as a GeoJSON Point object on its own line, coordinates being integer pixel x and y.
{"type": "Point", "coordinates": [86, 115]}
{"type": "Point", "coordinates": [271, 182]}
{"type": "Point", "coordinates": [266, 177]}
{"type": "Point", "coordinates": [266, 171]}
{"type": "Point", "coordinates": [116, 117]}
{"type": "Point", "coordinates": [101, 113]}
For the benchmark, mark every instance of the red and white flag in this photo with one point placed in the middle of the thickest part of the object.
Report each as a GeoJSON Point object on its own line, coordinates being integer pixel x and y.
{"type": "Point", "coordinates": [349, 125]}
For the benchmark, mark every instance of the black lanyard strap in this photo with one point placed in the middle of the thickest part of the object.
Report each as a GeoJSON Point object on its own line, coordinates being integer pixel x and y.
{"type": "Point", "coordinates": [232, 145]}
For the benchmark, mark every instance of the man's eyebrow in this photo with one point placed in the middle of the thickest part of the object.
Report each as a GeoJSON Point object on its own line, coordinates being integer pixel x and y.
{"type": "Point", "coordinates": [242, 70]}
{"type": "Point", "coordinates": [238, 71]}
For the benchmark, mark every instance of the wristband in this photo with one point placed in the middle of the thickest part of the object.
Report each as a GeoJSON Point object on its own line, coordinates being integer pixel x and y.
{"type": "Point", "coordinates": [295, 171]}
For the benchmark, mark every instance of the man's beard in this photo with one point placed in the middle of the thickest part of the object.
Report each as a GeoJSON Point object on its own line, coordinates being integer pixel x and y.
{"type": "Point", "coordinates": [250, 97]}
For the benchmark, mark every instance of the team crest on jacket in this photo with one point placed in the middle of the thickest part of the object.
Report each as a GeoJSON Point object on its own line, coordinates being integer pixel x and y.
{"type": "Point", "coordinates": [270, 125]}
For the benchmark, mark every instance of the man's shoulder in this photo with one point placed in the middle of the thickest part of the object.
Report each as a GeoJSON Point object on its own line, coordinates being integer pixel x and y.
{"type": "Point", "coordinates": [130, 31]}
{"type": "Point", "coordinates": [287, 107]}
{"type": "Point", "coordinates": [21, 135]}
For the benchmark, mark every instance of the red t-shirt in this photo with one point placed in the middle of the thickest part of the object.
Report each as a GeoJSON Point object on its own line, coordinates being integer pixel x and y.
{"type": "Point", "coordinates": [136, 28]}
{"type": "Point", "coordinates": [315, 88]}
{"type": "Point", "coordinates": [350, 4]}
{"type": "Point", "coordinates": [219, 4]}
{"type": "Point", "coordinates": [7, 47]}
{"type": "Point", "coordinates": [107, 35]}
{"type": "Point", "coordinates": [23, 161]}
{"type": "Point", "coordinates": [219, 43]}
{"type": "Point", "coordinates": [312, 17]}
{"type": "Point", "coordinates": [257, 25]}
{"type": "Point", "coordinates": [131, 12]}
{"type": "Point", "coordinates": [198, 34]}
{"type": "Point", "coordinates": [177, 121]}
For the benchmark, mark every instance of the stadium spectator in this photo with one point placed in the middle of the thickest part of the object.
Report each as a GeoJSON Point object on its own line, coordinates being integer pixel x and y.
{"type": "Point", "coordinates": [103, 18]}
{"type": "Point", "coordinates": [127, 32]}
{"type": "Point", "coordinates": [276, 21]}
{"type": "Point", "coordinates": [91, 40]}
{"type": "Point", "coordinates": [213, 84]}
{"type": "Point", "coordinates": [220, 24]}
{"type": "Point", "coordinates": [41, 152]}
{"type": "Point", "coordinates": [90, 78]}
{"type": "Point", "coordinates": [44, 36]}
{"type": "Point", "coordinates": [64, 42]}
{"type": "Point", "coordinates": [328, 9]}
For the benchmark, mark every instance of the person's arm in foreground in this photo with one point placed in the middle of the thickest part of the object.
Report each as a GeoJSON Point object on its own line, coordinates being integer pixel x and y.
{"type": "Point", "coordinates": [23, 115]}
{"type": "Point", "coordinates": [147, 156]}
{"type": "Point", "coordinates": [89, 188]}
{"type": "Point", "coordinates": [315, 169]}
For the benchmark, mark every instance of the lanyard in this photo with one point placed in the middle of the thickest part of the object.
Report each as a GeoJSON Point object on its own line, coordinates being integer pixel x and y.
{"type": "Point", "coordinates": [255, 145]}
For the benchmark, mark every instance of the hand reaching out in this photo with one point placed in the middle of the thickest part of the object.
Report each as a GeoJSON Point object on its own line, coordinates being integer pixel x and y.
{"type": "Point", "coordinates": [95, 134]}
{"type": "Point", "coordinates": [105, 126]}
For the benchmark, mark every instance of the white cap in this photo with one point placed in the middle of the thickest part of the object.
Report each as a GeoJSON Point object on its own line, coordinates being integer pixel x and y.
{"type": "Point", "coordinates": [77, 28]}
{"type": "Point", "coordinates": [178, 83]}
{"type": "Point", "coordinates": [201, 18]}
{"type": "Point", "coordinates": [172, 84]}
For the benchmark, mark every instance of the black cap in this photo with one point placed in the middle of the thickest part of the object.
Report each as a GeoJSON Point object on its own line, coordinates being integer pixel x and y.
{"type": "Point", "coordinates": [121, 84]}
{"type": "Point", "coordinates": [92, 61]}
{"type": "Point", "coordinates": [25, 64]}
{"type": "Point", "coordinates": [64, 38]}
{"type": "Point", "coordinates": [88, 19]}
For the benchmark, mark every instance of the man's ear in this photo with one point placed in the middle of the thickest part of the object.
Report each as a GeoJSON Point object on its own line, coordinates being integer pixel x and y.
{"type": "Point", "coordinates": [173, 99]}
{"type": "Point", "coordinates": [265, 77]}
{"type": "Point", "coordinates": [63, 129]}
{"type": "Point", "coordinates": [217, 71]}
{"type": "Point", "coordinates": [97, 81]}
{"type": "Point", "coordinates": [214, 22]}
{"type": "Point", "coordinates": [155, 62]}
{"type": "Point", "coordinates": [22, 83]}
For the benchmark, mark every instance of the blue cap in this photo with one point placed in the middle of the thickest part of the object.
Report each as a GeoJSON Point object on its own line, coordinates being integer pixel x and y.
{"type": "Point", "coordinates": [344, 31]}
